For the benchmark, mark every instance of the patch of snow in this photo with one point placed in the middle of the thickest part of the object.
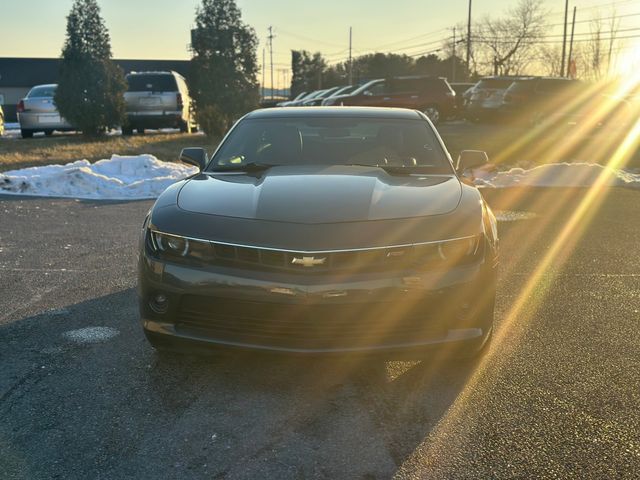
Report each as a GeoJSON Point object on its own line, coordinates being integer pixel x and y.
{"type": "Point", "coordinates": [91, 334]}
{"type": "Point", "coordinates": [118, 178]}
{"type": "Point", "coordinates": [557, 175]}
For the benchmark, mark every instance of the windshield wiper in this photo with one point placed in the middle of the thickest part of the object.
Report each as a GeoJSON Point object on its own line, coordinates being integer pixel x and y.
{"type": "Point", "coordinates": [245, 167]}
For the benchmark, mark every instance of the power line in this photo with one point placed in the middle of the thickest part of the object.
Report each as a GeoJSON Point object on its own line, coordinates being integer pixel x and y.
{"type": "Point", "coordinates": [594, 7]}
{"type": "Point", "coordinates": [308, 39]}
{"type": "Point", "coordinates": [501, 40]}
{"type": "Point", "coordinates": [614, 17]}
{"type": "Point", "coordinates": [424, 35]}
{"type": "Point", "coordinates": [535, 42]}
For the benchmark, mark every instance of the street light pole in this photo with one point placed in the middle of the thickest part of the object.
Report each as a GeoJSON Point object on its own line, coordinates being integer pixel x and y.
{"type": "Point", "coordinates": [469, 40]}
{"type": "Point", "coordinates": [564, 38]}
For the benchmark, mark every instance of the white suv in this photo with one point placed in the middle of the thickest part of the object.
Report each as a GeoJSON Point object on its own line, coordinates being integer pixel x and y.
{"type": "Point", "coordinates": [158, 100]}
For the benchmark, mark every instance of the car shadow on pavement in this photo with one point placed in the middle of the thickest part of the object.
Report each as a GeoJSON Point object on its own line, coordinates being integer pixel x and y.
{"type": "Point", "coordinates": [106, 397]}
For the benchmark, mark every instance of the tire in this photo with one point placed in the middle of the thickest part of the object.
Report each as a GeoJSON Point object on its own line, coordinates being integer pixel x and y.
{"type": "Point", "coordinates": [26, 133]}
{"type": "Point", "coordinates": [127, 131]}
{"type": "Point", "coordinates": [488, 315]}
{"type": "Point", "coordinates": [434, 114]}
{"type": "Point", "coordinates": [140, 130]}
{"type": "Point", "coordinates": [48, 133]}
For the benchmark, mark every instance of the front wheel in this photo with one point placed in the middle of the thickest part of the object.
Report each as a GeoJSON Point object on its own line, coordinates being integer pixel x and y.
{"type": "Point", "coordinates": [433, 112]}
{"type": "Point", "coordinates": [26, 133]}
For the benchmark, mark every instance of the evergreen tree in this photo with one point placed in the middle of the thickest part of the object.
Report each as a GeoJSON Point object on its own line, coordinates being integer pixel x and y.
{"type": "Point", "coordinates": [224, 67]}
{"type": "Point", "coordinates": [91, 88]}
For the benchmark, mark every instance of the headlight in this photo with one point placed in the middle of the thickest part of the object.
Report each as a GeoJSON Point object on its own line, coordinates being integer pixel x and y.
{"type": "Point", "coordinates": [177, 248]}
{"type": "Point", "coordinates": [449, 253]}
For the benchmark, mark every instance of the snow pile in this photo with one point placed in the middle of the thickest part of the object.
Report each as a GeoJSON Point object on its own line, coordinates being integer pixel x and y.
{"type": "Point", "coordinates": [118, 178]}
{"type": "Point", "coordinates": [558, 175]}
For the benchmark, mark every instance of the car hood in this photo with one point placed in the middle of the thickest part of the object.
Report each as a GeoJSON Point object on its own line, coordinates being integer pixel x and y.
{"type": "Point", "coordinates": [315, 195]}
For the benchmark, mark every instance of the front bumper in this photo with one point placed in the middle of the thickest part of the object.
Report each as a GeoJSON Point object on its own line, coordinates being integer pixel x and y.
{"type": "Point", "coordinates": [313, 314]}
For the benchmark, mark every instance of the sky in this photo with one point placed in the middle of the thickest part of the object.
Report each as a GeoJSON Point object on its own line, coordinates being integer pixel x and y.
{"type": "Point", "coordinates": [159, 29]}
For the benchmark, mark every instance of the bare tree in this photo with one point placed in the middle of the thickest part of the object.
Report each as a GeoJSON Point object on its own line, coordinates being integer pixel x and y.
{"type": "Point", "coordinates": [614, 26]}
{"type": "Point", "coordinates": [594, 49]}
{"type": "Point", "coordinates": [549, 59]}
{"type": "Point", "coordinates": [506, 44]}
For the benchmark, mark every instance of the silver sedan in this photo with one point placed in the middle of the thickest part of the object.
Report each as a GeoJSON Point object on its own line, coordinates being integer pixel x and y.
{"type": "Point", "coordinates": [37, 112]}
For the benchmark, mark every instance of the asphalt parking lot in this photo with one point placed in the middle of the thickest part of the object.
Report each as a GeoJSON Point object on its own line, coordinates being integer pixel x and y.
{"type": "Point", "coordinates": [556, 395]}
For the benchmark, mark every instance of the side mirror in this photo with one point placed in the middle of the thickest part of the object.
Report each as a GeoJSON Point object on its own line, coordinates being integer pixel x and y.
{"type": "Point", "coordinates": [471, 159]}
{"type": "Point", "coordinates": [194, 156]}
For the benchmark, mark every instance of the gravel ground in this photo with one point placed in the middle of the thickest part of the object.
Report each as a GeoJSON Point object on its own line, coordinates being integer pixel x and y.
{"type": "Point", "coordinates": [82, 395]}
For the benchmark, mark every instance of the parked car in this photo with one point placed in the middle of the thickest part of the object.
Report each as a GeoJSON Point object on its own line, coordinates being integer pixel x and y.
{"type": "Point", "coordinates": [37, 112]}
{"type": "Point", "coordinates": [288, 102]}
{"type": "Point", "coordinates": [318, 100]}
{"type": "Point", "coordinates": [461, 88]}
{"type": "Point", "coordinates": [485, 101]}
{"type": "Point", "coordinates": [337, 99]}
{"type": "Point", "coordinates": [322, 230]}
{"type": "Point", "coordinates": [1, 121]}
{"type": "Point", "coordinates": [431, 95]}
{"type": "Point", "coordinates": [310, 96]}
{"type": "Point", "coordinates": [158, 100]}
{"type": "Point", "coordinates": [534, 99]}
{"type": "Point", "coordinates": [343, 91]}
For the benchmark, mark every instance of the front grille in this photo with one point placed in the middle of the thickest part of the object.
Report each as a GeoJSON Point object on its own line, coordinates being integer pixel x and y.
{"type": "Point", "coordinates": [319, 326]}
{"type": "Point", "coordinates": [395, 257]}
{"type": "Point", "coordinates": [387, 259]}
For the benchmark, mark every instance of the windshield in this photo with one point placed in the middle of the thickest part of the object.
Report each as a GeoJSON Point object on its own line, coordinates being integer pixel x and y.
{"type": "Point", "coordinates": [334, 141]}
{"type": "Point", "coordinates": [366, 86]}
{"type": "Point", "coordinates": [43, 91]}
{"type": "Point", "coordinates": [151, 83]}
{"type": "Point", "coordinates": [344, 90]}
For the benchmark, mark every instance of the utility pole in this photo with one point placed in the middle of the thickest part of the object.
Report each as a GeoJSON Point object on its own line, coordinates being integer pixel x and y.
{"type": "Point", "coordinates": [573, 27]}
{"type": "Point", "coordinates": [271, 54]}
{"type": "Point", "coordinates": [564, 38]}
{"type": "Point", "coordinates": [453, 57]}
{"type": "Point", "coordinates": [350, 55]}
{"type": "Point", "coordinates": [469, 40]}
{"type": "Point", "coordinates": [264, 68]}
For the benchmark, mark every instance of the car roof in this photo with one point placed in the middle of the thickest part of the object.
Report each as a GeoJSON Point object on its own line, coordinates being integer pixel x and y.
{"type": "Point", "coordinates": [323, 112]}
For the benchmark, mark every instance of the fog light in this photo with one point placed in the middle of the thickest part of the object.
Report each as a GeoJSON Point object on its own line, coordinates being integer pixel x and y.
{"type": "Point", "coordinates": [159, 303]}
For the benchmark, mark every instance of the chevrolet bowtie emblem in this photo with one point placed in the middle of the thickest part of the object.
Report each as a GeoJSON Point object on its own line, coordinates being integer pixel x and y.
{"type": "Point", "coordinates": [308, 262]}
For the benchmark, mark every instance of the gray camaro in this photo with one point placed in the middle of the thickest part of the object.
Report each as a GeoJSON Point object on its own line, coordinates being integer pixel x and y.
{"type": "Point", "coordinates": [322, 230]}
